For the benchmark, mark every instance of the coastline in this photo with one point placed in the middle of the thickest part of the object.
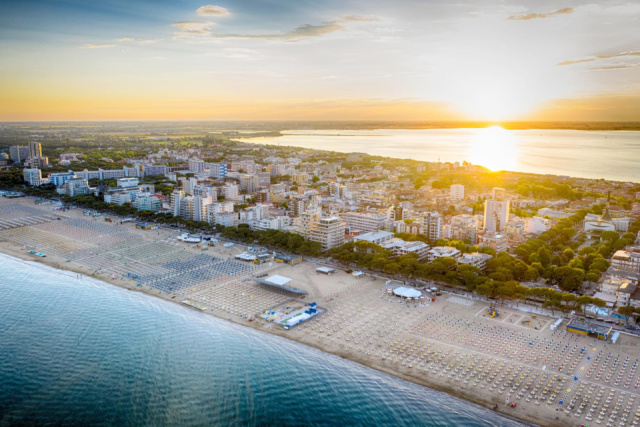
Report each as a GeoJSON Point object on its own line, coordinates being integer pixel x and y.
{"type": "Point", "coordinates": [573, 149]}
{"type": "Point", "coordinates": [13, 250]}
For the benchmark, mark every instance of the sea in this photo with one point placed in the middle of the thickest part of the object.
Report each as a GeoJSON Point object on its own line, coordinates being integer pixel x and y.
{"type": "Point", "coordinates": [612, 155]}
{"type": "Point", "coordinates": [77, 351]}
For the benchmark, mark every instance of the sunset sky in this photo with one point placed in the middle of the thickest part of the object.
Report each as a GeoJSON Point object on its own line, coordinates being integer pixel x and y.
{"type": "Point", "coordinates": [319, 60]}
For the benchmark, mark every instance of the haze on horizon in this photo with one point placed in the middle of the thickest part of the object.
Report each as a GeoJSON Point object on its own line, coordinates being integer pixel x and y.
{"type": "Point", "coordinates": [331, 60]}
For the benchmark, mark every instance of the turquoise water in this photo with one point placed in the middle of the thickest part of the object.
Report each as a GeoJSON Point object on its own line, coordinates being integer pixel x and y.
{"type": "Point", "coordinates": [613, 155]}
{"type": "Point", "coordinates": [82, 352]}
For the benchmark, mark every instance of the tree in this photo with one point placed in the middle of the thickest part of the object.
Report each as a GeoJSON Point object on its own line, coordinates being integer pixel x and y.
{"type": "Point", "coordinates": [419, 182]}
{"type": "Point", "coordinates": [544, 256]}
{"type": "Point", "coordinates": [609, 235]}
{"type": "Point", "coordinates": [626, 311]}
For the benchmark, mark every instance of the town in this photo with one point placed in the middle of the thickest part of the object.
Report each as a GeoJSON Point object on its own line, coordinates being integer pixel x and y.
{"type": "Point", "coordinates": [457, 271]}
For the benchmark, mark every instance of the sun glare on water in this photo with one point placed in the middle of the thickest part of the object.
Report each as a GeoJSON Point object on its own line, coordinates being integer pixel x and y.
{"type": "Point", "coordinates": [494, 148]}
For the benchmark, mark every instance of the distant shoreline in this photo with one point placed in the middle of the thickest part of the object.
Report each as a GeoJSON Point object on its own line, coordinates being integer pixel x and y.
{"type": "Point", "coordinates": [280, 125]}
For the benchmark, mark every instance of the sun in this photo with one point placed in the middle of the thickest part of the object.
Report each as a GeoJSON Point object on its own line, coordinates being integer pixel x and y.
{"type": "Point", "coordinates": [494, 148]}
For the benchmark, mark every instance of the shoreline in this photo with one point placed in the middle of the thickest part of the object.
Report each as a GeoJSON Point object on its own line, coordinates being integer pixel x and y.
{"type": "Point", "coordinates": [13, 250]}
{"type": "Point", "coordinates": [340, 141]}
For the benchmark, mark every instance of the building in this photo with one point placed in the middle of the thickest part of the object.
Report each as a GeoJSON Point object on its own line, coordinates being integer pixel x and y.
{"type": "Point", "coordinates": [147, 203]}
{"type": "Point", "coordinates": [456, 192]}
{"type": "Point", "coordinates": [589, 329]}
{"type": "Point", "coordinates": [58, 179]}
{"type": "Point", "coordinates": [199, 207]}
{"type": "Point", "coordinates": [432, 226]}
{"type": "Point", "coordinates": [34, 177]}
{"type": "Point", "coordinates": [499, 242]}
{"type": "Point", "coordinates": [364, 222]}
{"type": "Point", "coordinates": [498, 193]}
{"type": "Point", "coordinates": [119, 198]}
{"type": "Point", "coordinates": [225, 219]}
{"type": "Point", "coordinates": [442, 252]}
{"type": "Point", "coordinates": [463, 227]}
{"type": "Point", "coordinates": [276, 223]}
{"type": "Point", "coordinates": [496, 215]}
{"type": "Point", "coordinates": [553, 214]}
{"type": "Point", "coordinates": [300, 178]}
{"type": "Point", "coordinates": [298, 205]}
{"type": "Point", "coordinates": [216, 170]}
{"type": "Point", "coordinates": [537, 225]}
{"type": "Point", "coordinates": [627, 259]}
{"type": "Point", "coordinates": [189, 185]}
{"type": "Point", "coordinates": [328, 231]}
{"type": "Point", "coordinates": [196, 165]}
{"type": "Point", "coordinates": [35, 149]}
{"type": "Point", "coordinates": [154, 170]}
{"type": "Point", "coordinates": [127, 182]}
{"type": "Point", "coordinates": [75, 186]}
{"type": "Point", "coordinates": [399, 247]}
{"type": "Point", "coordinates": [18, 153]}
{"type": "Point", "coordinates": [229, 191]}
{"type": "Point", "coordinates": [277, 170]}
{"type": "Point", "coordinates": [176, 201]}
{"type": "Point", "coordinates": [66, 158]}
{"type": "Point", "coordinates": [253, 214]}
{"type": "Point", "coordinates": [596, 225]}
{"type": "Point", "coordinates": [377, 237]}
{"type": "Point", "coordinates": [476, 259]}
{"type": "Point", "coordinates": [249, 183]}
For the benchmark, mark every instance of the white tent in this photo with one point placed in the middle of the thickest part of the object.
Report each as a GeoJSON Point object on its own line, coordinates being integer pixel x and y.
{"type": "Point", "coordinates": [407, 292]}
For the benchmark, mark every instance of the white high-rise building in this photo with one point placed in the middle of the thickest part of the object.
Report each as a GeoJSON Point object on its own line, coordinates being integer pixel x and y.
{"type": "Point", "coordinates": [35, 149]}
{"type": "Point", "coordinates": [456, 192]}
{"type": "Point", "coordinates": [33, 177]}
{"type": "Point", "coordinates": [176, 201]}
{"type": "Point", "coordinates": [432, 226]}
{"type": "Point", "coordinates": [200, 204]}
{"type": "Point", "coordinates": [329, 232]}
{"type": "Point", "coordinates": [496, 215]}
{"type": "Point", "coordinates": [189, 185]}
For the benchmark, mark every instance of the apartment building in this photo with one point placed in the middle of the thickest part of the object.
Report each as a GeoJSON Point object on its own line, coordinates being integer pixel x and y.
{"type": "Point", "coordinates": [328, 231]}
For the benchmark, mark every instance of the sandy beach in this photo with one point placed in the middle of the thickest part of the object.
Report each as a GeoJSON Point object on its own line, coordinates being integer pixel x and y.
{"type": "Point", "coordinates": [452, 344]}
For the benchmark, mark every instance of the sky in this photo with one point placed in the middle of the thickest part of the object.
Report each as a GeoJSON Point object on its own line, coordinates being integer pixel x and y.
{"type": "Point", "coordinates": [535, 60]}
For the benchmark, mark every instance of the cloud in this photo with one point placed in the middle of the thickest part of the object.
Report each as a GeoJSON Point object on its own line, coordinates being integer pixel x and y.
{"type": "Point", "coordinates": [615, 67]}
{"type": "Point", "coordinates": [131, 40]}
{"type": "Point", "coordinates": [530, 16]}
{"type": "Point", "coordinates": [302, 32]}
{"type": "Point", "coordinates": [97, 46]}
{"type": "Point", "coordinates": [210, 10]}
{"type": "Point", "coordinates": [239, 53]}
{"type": "Point", "coordinates": [593, 58]}
{"type": "Point", "coordinates": [193, 27]}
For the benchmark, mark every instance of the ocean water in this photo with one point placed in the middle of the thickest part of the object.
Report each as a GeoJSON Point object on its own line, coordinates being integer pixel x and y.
{"type": "Point", "coordinates": [83, 352]}
{"type": "Point", "coordinates": [611, 155]}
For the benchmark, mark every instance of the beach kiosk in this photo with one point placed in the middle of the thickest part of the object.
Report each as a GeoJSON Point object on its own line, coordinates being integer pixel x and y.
{"type": "Point", "coordinates": [325, 270]}
{"type": "Point", "coordinates": [146, 226]}
{"type": "Point", "coordinates": [589, 329]}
